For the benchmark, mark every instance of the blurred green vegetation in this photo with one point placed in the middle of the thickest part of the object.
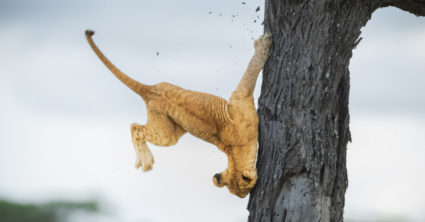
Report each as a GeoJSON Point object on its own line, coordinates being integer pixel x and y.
{"type": "Point", "coordinates": [55, 211]}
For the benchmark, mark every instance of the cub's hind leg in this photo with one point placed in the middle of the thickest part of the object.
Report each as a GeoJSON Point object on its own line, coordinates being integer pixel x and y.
{"type": "Point", "coordinates": [159, 130]}
{"type": "Point", "coordinates": [143, 154]}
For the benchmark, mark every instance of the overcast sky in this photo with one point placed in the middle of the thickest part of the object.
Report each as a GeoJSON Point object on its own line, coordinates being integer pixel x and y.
{"type": "Point", "coordinates": [64, 118]}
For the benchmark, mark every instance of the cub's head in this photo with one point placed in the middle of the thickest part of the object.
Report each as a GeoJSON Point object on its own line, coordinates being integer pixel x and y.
{"type": "Point", "coordinates": [241, 175]}
{"type": "Point", "coordinates": [238, 183]}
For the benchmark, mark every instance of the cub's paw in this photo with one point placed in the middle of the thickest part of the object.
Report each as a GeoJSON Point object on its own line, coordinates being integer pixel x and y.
{"type": "Point", "coordinates": [145, 160]}
{"type": "Point", "coordinates": [138, 164]}
{"type": "Point", "coordinates": [263, 42]}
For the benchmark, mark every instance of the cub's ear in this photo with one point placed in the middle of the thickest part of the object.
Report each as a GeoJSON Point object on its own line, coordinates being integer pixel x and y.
{"type": "Point", "coordinates": [218, 180]}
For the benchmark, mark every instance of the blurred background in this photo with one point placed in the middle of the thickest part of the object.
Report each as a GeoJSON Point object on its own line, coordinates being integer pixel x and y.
{"type": "Point", "coordinates": [65, 147]}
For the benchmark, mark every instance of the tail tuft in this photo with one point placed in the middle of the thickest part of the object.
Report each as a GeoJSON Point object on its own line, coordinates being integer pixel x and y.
{"type": "Point", "coordinates": [89, 32]}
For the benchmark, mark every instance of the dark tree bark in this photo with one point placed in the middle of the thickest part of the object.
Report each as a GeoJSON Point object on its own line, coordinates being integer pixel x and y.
{"type": "Point", "coordinates": [303, 107]}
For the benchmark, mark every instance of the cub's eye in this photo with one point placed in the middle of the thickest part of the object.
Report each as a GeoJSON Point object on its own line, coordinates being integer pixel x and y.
{"type": "Point", "coordinates": [247, 179]}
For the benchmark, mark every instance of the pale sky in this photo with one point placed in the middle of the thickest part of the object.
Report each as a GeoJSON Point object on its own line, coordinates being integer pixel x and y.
{"type": "Point", "coordinates": [64, 118]}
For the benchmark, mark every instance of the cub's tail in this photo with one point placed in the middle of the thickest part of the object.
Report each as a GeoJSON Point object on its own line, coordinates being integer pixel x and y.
{"type": "Point", "coordinates": [139, 88]}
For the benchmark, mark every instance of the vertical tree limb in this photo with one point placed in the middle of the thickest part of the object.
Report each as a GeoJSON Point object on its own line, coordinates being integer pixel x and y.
{"type": "Point", "coordinates": [303, 107]}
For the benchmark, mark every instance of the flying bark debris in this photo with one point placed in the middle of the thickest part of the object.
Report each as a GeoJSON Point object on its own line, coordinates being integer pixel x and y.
{"type": "Point", "coordinates": [243, 3]}
{"type": "Point", "coordinates": [258, 9]}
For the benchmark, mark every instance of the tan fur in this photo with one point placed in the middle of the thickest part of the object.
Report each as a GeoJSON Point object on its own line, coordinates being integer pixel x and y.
{"type": "Point", "coordinates": [231, 126]}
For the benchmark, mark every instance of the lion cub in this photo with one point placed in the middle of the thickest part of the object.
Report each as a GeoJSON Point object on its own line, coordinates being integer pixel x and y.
{"type": "Point", "coordinates": [230, 125]}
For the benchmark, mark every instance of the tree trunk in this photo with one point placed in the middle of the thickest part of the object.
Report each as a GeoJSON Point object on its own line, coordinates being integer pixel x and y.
{"type": "Point", "coordinates": [303, 107]}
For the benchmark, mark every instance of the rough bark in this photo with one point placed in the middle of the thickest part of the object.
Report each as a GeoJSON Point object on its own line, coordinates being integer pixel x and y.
{"type": "Point", "coordinates": [416, 7]}
{"type": "Point", "coordinates": [303, 107]}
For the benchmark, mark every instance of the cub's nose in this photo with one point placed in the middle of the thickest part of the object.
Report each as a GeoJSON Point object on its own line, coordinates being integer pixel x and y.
{"type": "Point", "coordinates": [217, 176]}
